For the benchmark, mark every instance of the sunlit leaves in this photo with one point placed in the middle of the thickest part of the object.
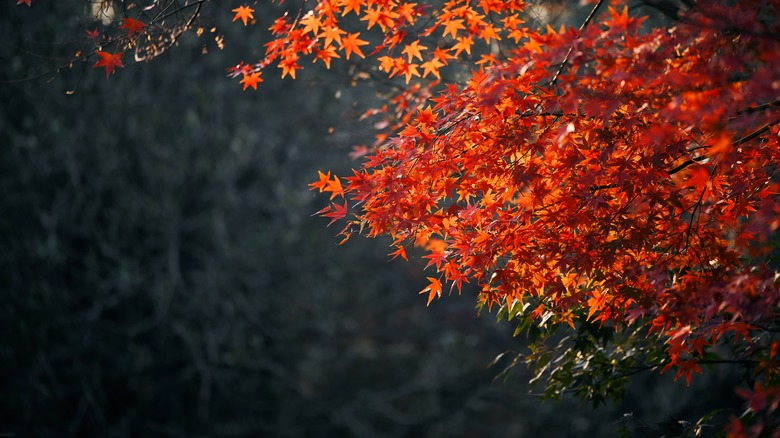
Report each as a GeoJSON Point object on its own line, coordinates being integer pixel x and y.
{"type": "Point", "coordinates": [320, 32]}
{"type": "Point", "coordinates": [243, 13]}
{"type": "Point", "coordinates": [352, 5]}
{"type": "Point", "coordinates": [251, 80]}
{"type": "Point", "coordinates": [289, 64]}
{"type": "Point", "coordinates": [431, 67]}
{"type": "Point", "coordinates": [351, 44]}
{"type": "Point", "coordinates": [330, 184]}
{"type": "Point", "coordinates": [311, 23]}
{"type": "Point", "coordinates": [452, 26]}
{"type": "Point", "coordinates": [463, 44]}
{"type": "Point", "coordinates": [433, 289]}
{"type": "Point", "coordinates": [413, 50]}
{"type": "Point", "coordinates": [326, 55]}
{"type": "Point", "coordinates": [331, 34]}
{"type": "Point", "coordinates": [379, 16]}
{"type": "Point", "coordinates": [633, 189]}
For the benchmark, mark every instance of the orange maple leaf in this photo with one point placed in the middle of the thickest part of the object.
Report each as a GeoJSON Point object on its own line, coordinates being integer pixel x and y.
{"type": "Point", "coordinates": [351, 44]}
{"type": "Point", "coordinates": [325, 55]}
{"type": "Point", "coordinates": [243, 13]}
{"type": "Point", "coordinates": [442, 55]}
{"type": "Point", "coordinates": [311, 23]}
{"type": "Point", "coordinates": [331, 33]}
{"type": "Point", "coordinates": [400, 251]}
{"type": "Point", "coordinates": [409, 70]}
{"type": "Point", "coordinates": [408, 11]}
{"type": "Point", "coordinates": [351, 5]}
{"type": "Point", "coordinates": [620, 19]}
{"type": "Point", "coordinates": [388, 64]}
{"type": "Point", "coordinates": [378, 16]}
{"type": "Point", "coordinates": [288, 65]}
{"type": "Point", "coordinates": [464, 43]}
{"type": "Point", "coordinates": [452, 27]}
{"type": "Point", "coordinates": [413, 50]}
{"type": "Point", "coordinates": [322, 183]}
{"type": "Point", "coordinates": [251, 80]}
{"type": "Point", "coordinates": [132, 25]}
{"type": "Point", "coordinates": [109, 60]}
{"type": "Point", "coordinates": [433, 289]}
{"type": "Point", "coordinates": [334, 186]}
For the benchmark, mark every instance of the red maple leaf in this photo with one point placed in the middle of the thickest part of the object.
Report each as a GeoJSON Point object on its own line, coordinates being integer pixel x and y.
{"type": "Point", "coordinates": [27, 2]}
{"type": "Point", "coordinates": [109, 60]}
{"type": "Point", "coordinates": [92, 34]}
{"type": "Point", "coordinates": [334, 211]}
{"type": "Point", "coordinates": [132, 25]}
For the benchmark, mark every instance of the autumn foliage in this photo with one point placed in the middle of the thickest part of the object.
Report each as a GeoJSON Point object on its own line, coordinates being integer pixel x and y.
{"type": "Point", "coordinates": [618, 177]}
{"type": "Point", "coordinates": [615, 174]}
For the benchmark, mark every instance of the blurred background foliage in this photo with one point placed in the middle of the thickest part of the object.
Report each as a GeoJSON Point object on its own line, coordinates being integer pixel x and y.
{"type": "Point", "coordinates": [162, 274]}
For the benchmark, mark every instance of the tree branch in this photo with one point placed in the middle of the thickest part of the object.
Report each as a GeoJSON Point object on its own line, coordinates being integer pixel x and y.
{"type": "Point", "coordinates": [753, 109]}
{"type": "Point", "coordinates": [755, 133]}
{"type": "Point", "coordinates": [736, 143]}
{"type": "Point", "coordinates": [585, 23]}
{"type": "Point", "coordinates": [665, 7]}
{"type": "Point", "coordinates": [687, 163]}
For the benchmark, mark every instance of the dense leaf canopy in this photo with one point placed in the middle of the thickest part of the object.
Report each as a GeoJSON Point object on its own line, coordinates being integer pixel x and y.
{"type": "Point", "coordinates": [617, 177]}
{"type": "Point", "coordinates": [616, 174]}
{"type": "Point", "coordinates": [612, 174]}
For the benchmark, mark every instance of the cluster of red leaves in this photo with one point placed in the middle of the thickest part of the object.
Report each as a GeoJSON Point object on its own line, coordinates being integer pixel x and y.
{"type": "Point", "coordinates": [622, 172]}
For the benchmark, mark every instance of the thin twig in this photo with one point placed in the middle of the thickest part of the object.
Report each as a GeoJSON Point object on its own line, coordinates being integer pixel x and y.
{"type": "Point", "coordinates": [579, 34]}
{"type": "Point", "coordinates": [753, 109]}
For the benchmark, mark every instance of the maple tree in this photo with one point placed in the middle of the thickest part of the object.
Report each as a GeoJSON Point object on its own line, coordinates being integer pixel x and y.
{"type": "Point", "coordinates": [612, 176]}
{"type": "Point", "coordinates": [618, 179]}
